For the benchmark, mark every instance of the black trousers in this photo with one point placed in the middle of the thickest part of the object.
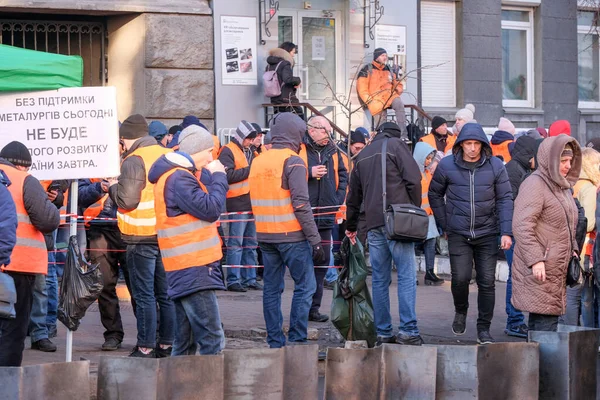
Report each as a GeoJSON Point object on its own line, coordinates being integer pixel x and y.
{"type": "Point", "coordinates": [14, 331]}
{"type": "Point", "coordinates": [321, 272]}
{"type": "Point", "coordinates": [106, 249]}
{"type": "Point", "coordinates": [483, 252]}
{"type": "Point", "coordinates": [541, 322]}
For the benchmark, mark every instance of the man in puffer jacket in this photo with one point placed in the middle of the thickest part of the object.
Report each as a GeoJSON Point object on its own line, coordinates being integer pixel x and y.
{"type": "Point", "coordinates": [472, 202]}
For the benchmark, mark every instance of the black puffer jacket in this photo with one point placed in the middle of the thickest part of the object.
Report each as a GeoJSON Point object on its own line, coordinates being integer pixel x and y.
{"type": "Point", "coordinates": [285, 75]}
{"type": "Point", "coordinates": [473, 203]}
{"type": "Point", "coordinates": [519, 167]}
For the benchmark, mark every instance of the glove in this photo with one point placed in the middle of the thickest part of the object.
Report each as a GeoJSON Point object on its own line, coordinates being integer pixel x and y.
{"type": "Point", "coordinates": [318, 254]}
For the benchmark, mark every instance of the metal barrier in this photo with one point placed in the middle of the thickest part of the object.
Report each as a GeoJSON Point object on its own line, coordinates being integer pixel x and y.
{"type": "Point", "coordinates": [64, 381]}
{"type": "Point", "coordinates": [567, 362]}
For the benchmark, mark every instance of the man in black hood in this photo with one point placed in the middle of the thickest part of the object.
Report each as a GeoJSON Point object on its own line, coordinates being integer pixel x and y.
{"type": "Point", "coordinates": [403, 186]}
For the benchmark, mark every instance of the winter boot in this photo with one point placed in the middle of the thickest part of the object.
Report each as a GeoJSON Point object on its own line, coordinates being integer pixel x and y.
{"type": "Point", "coordinates": [431, 279]}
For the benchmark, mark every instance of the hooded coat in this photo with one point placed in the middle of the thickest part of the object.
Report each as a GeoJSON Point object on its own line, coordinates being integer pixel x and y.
{"type": "Point", "coordinates": [420, 153]}
{"type": "Point", "coordinates": [472, 202]}
{"type": "Point", "coordinates": [183, 195]}
{"type": "Point", "coordinates": [544, 203]}
{"type": "Point", "coordinates": [519, 166]}
{"type": "Point", "coordinates": [285, 75]}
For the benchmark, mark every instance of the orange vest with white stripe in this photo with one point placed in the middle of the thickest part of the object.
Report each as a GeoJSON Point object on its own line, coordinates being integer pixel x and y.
{"type": "Point", "coordinates": [271, 204]}
{"type": "Point", "coordinates": [430, 140]}
{"type": "Point", "coordinates": [425, 181]}
{"type": "Point", "coordinates": [30, 254]}
{"type": "Point", "coordinates": [184, 241]}
{"type": "Point", "coordinates": [239, 158]}
{"type": "Point", "coordinates": [216, 148]}
{"type": "Point", "coordinates": [95, 209]}
{"type": "Point", "coordinates": [142, 220]}
{"type": "Point", "coordinates": [590, 237]}
{"type": "Point", "coordinates": [336, 163]}
{"type": "Point", "coordinates": [502, 150]}
{"type": "Point", "coordinates": [63, 208]}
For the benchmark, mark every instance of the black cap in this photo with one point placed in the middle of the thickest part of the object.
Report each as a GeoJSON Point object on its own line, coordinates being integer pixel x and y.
{"type": "Point", "coordinates": [174, 129]}
{"type": "Point", "coordinates": [17, 154]}
{"type": "Point", "coordinates": [378, 51]}
{"type": "Point", "coordinates": [437, 122]}
{"type": "Point", "coordinates": [357, 137]}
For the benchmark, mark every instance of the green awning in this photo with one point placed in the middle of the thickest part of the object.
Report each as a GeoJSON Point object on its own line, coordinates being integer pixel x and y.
{"type": "Point", "coordinates": [29, 70]}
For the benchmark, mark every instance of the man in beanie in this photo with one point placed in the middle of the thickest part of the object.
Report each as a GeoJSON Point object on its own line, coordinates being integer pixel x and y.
{"type": "Point", "coordinates": [159, 131]}
{"type": "Point", "coordinates": [193, 120]}
{"type": "Point", "coordinates": [189, 190]}
{"type": "Point", "coordinates": [440, 138]}
{"type": "Point", "coordinates": [464, 116]}
{"type": "Point", "coordinates": [134, 196]}
{"type": "Point", "coordinates": [502, 138]}
{"type": "Point", "coordinates": [559, 127]}
{"type": "Point", "coordinates": [379, 88]}
{"type": "Point", "coordinates": [37, 216]}
{"type": "Point", "coordinates": [237, 157]}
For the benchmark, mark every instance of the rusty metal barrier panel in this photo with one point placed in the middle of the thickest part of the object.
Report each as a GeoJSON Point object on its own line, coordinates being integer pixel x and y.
{"type": "Point", "coordinates": [568, 362]}
{"type": "Point", "coordinates": [386, 372]}
{"type": "Point", "coordinates": [60, 381]}
{"type": "Point", "coordinates": [490, 372]}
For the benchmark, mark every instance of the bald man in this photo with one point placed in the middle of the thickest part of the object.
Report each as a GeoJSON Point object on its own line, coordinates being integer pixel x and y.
{"type": "Point", "coordinates": [327, 181]}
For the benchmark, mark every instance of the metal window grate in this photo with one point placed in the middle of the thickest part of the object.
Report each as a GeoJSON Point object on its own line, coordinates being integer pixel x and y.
{"type": "Point", "coordinates": [86, 39]}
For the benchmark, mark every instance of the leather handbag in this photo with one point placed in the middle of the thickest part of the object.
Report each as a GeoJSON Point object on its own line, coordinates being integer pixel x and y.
{"type": "Point", "coordinates": [8, 296]}
{"type": "Point", "coordinates": [403, 222]}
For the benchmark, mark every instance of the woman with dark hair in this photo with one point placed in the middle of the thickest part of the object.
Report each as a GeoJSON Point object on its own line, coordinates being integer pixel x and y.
{"type": "Point", "coordinates": [281, 59]}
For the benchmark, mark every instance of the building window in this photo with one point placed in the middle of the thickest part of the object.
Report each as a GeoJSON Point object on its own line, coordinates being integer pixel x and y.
{"type": "Point", "coordinates": [588, 59]}
{"type": "Point", "coordinates": [517, 57]}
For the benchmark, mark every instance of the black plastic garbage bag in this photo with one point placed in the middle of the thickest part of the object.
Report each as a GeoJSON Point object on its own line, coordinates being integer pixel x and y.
{"type": "Point", "coordinates": [352, 308]}
{"type": "Point", "coordinates": [81, 285]}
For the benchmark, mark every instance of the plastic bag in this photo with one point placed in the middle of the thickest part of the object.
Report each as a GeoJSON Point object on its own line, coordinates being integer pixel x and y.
{"type": "Point", "coordinates": [351, 308]}
{"type": "Point", "coordinates": [80, 287]}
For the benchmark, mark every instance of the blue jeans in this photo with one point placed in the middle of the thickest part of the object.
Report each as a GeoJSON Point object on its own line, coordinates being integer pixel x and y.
{"type": "Point", "coordinates": [52, 290]}
{"type": "Point", "coordinates": [241, 250]}
{"type": "Point", "coordinates": [149, 286]}
{"type": "Point", "coordinates": [298, 258]}
{"type": "Point", "coordinates": [580, 301]}
{"type": "Point", "coordinates": [39, 308]}
{"type": "Point", "coordinates": [382, 251]}
{"type": "Point", "coordinates": [198, 324]}
{"type": "Point", "coordinates": [514, 317]}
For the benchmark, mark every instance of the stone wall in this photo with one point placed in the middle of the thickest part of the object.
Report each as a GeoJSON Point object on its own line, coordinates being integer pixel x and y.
{"type": "Point", "coordinates": [106, 6]}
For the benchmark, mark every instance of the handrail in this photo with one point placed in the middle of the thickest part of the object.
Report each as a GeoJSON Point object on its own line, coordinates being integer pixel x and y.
{"type": "Point", "coordinates": [313, 110]}
{"type": "Point", "coordinates": [419, 110]}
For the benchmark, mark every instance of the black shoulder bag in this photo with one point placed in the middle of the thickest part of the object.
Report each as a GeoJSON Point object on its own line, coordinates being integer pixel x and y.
{"type": "Point", "coordinates": [403, 222]}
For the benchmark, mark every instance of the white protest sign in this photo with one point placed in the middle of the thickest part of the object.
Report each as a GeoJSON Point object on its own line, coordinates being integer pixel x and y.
{"type": "Point", "coordinates": [71, 133]}
{"type": "Point", "coordinates": [392, 38]}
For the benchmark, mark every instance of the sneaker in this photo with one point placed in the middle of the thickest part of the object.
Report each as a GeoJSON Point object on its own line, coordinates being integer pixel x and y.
{"type": "Point", "coordinates": [254, 286]}
{"type": "Point", "coordinates": [385, 339]}
{"type": "Point", "coordinates": [431, 279]}
{"type": "Point", "coordinates": [52, 332]}
{"type": "Point", "coordinates": [409, 340]}
{"type": "Point", "coordinates": [519, 331]}
{"type": "Point", "coordinates": [484, 337]}
{"type": "Point", "coordinates": [459, 326]}
{"type": "Point", "coordinates": [236, 287]}
{"type": "Point", "coordinates": [44, 345]}
{"type": "Point", "coordinates": [163, 353]}
{"type": "Point", "coordinates": [318, 317]}
{"type": "Point", "coordinates": [111, 344]}
{"type": "Point", "coordinates": [137, 352]}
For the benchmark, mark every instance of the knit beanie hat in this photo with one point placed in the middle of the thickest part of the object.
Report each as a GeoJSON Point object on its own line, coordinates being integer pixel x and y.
{"type": "Point", "coordinates": [558, 127]}
{"type": "Point", "coordinates": [437, 122]}
{"type": "Point", "coordinates": [364, 132]}
{"type": "Point", "coordinates": [195, 139]}
{"type": "Point", "coordinates": [542, 132]}
{"type": "Point", "coordinates": [506, 126]}
{"type": "Point", "coordinates": [378, 51]}
{"type": "Point", "coordinates": [245, 130]}
{"type": "Point", "coordinates": [357, 137]}
{"type": "Point", "coordinates": [157, 130]}
{"type": "Point", "coordinates": [257, 127]}
{"type": "Point", "coordinates": [17, 154]}
{"type": "Point", "coordinates": [567, 151]}
{"type": "Point", "coordinates": [174, 129]}
{"type": "Point", "coordinates": [134, 127]}
{"type": "Point", "coordinates": [467, 113]}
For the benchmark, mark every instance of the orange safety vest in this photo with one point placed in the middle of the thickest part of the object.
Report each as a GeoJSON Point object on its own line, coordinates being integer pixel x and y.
{"type": "Point", "coordinates": [184, 241]}
{"type": "Point", "coordinates": [29, 254]}
{"type": "Point", "coordinates": [142, 220]}
{"type": "Point", "coordinates": [425, 181]}
{"type": "Point", "coordinates": [95, 209]}
{"type": "Point", "coordinates": [336, 163]}
{"type": "Point", "coordinates": [217, 148]}
{"type": "Point", "coordinates": [590, 237]}
{"type": "Point", "coordinates": [239, 188]}
{"type": "Point", "coordinates": [271, 204]}
{"type": "Point", "coordinates": [502, 150]}
{"type": "Point", "coordinates": [63, 209]}
{"type": "Point", "coordinates": [430, 140]}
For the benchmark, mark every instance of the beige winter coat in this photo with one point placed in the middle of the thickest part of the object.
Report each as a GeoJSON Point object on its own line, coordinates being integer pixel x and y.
{"type": "Point", "coordinates": [541, 232]}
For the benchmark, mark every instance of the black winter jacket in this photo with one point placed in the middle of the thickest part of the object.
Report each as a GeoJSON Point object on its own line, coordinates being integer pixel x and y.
{"type": "Point", "coordinates": [473, 203]}
{"type": "Point", "coordinates": [518, 168]}
{"type": "Point", "coordinates": [285, 75]}
{"type": "Point", "coordinates": [403, 185]}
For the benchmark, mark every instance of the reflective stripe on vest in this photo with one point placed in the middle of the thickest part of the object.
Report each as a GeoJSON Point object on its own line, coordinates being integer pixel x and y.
{"type": "Point", "coordinates": [216, 148]}
{"type": "Point", "coordinates": [142, 220]}
{"type": "Point", "coordinates": [184, 241]}
{"type": "Point", "coordinates": [430, 140]}
{"type": "Point", "coordinates": [29, 254]}
{"type": "Point", "coordinates": [502, 150]}
{"type": "Point", "coordinates": [239, 158]}
{"type": "Point", "coordinates": [425, 182]}
{"type": "Point", "coordinates": [336, 162]}
{"type": "Point", "coordinates": [271, 204]}
{"type": "Point", "coordinates": [94, 210]}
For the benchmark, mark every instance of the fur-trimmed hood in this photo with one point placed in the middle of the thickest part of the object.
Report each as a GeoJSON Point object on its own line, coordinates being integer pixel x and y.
{"type": "Point", "coordinates": [277, 55]}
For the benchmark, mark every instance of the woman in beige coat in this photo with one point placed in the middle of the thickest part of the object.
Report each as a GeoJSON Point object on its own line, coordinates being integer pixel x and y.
{"type": "Point", "coordinates": [545, 212]}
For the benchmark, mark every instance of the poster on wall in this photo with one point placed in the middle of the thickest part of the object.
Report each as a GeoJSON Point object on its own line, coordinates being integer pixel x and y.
{"type": "Point", "coordinates": [238, 50]}
{"type": "Point", "coordinates": [318, 48]}
{"type": "Point", "coordinates": [392, 38]}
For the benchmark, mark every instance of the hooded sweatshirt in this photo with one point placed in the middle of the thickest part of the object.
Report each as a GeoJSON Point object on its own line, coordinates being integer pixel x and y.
{"type": "Point", "coordinates": [183, 195]}
{"type": "Point", "coordinates": [519, 166]}
{"type": "Point", "coordinates": [472, 199]}
{"type": "Point", "coordinates": [285, 75]}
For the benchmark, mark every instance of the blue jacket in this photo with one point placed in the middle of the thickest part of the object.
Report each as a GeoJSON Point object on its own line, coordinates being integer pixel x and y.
{"type": "Point", "coordinates": [8, 221]}
{"type": "Point", "coordinates": [89, 193]}
{"type": "Point", "coordinates": [472, 202]}
{"type": "Point", "coordinates": [183, 195]}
